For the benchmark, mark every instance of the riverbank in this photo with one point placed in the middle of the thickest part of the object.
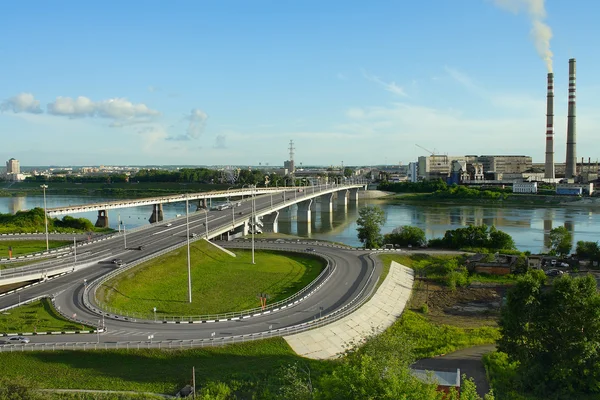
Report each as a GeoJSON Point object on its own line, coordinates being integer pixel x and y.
{"type": "Point", "coordinates": [511, 199]}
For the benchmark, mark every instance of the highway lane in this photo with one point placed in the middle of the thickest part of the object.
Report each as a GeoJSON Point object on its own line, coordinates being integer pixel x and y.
{"type": "Point", "coordinates": [353, 269]}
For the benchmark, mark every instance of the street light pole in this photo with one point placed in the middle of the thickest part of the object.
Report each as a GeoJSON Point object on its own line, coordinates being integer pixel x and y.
{"type": "Point", "coordinates": [75, 248]}
{"type": "Point", "coordinates": [253, 222]}
{"type": "Point", "coordinates": [187, 227]}
{"type": "Point", "coordinates": [206, 221]}
{"type": "Point", "coordinates": [44, 187]}
{"type": "Point", "coordinates": [125, 236]}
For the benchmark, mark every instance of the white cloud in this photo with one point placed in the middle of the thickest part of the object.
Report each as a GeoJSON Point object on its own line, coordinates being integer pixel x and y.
{"type": "Point", "coordinates": [391, 87]}
{"type": "Point", "coordinates": [196, 124]}
{"type": "Point", "coordinates": [220, 142]}
{"type": "Point", "coordinates": [515, 101]}
{"type": "Point", "coordinates": [23, 102]}
{"type": "Point", "coordinates": [118, 109]}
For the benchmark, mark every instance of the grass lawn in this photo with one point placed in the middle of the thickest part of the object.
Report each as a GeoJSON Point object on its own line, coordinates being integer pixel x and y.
{"type": "Point", "coordinates": [39, 317]}
{"type": "Point", "coordinates": [220, 283]}
{"type": "Point", "coordinates": [22, 247]}
{"type": "Point", "coordinates": [248, 367]}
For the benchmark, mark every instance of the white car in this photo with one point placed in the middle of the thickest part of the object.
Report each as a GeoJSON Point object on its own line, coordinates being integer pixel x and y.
{"type": "Point", "coordinates": [169, 224]}
{"type": "Point", "coordinates": [19, 339]}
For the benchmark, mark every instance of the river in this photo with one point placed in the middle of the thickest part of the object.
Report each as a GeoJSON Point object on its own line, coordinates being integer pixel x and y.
{"type": "Point", "coordinates": [529, 226]}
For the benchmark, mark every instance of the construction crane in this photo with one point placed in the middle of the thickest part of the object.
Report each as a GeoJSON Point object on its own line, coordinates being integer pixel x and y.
{"type": "Point", "coordinates": [429, 151]}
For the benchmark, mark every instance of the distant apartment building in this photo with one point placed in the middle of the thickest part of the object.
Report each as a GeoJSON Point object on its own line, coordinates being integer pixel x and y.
{"type": "Point", "coordinates": [289, 165]}
{"type": "Point", "coordinates": [13, 166]}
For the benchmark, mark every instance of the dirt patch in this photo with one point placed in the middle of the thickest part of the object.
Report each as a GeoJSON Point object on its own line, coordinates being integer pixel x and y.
{"type": "Point", "coordinates": [469, 307]}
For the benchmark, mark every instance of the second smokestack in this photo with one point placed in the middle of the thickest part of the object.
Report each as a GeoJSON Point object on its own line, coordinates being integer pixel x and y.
{"type": "Point", "coordinates": [549, 165]}
{"type": "Point", "coordinates": [571, 165]}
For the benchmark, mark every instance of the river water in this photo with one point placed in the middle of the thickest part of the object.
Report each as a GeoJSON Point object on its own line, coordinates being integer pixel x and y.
{"type": "Point", "coordinates": [529, 226]}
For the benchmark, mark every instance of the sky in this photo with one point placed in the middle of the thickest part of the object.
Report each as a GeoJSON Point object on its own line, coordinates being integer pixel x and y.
{"type": "Point", "coordinates": [232, 82]}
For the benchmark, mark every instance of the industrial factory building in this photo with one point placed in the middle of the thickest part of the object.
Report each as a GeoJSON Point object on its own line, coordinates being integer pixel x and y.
{"type": "Point", "coordinates": [519, 170]}
{"type": "Point", "coordinates": [471, 167]}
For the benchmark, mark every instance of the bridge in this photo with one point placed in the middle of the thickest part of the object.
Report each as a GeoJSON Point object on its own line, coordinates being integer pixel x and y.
{"type": "Point", "coordinates": [254, 214]}
{"type": "Point", "coordinates": [203, 199]}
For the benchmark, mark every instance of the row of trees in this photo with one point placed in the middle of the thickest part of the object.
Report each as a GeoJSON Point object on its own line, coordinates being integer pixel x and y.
{"type": "Point", "coordinates": [371, 218]}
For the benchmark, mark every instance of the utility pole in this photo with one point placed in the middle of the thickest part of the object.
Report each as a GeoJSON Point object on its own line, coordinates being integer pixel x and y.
{"type": "Point", "coordinates": [187, 226]}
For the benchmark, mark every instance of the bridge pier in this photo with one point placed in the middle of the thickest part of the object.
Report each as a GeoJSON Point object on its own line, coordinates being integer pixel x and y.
{"type": "Point", "coordinates": [102, 221]}
{"type": "Point", "coordinates": [157, 213]}
{"type": "Point", "coordinates": [271, 222]}
{"type": "Point", "coordinates": [342, 198]}
{"type": "Point", "coordinates": [326, 203]}
{"type": "Point", "coordinates": [201, 204]}
{"type": "Point", "coordinates": [354, 195]}
{"type": "Point", "coordinates": [304, 211]}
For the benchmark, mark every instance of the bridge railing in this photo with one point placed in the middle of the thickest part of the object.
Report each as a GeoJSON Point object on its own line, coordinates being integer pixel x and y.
{"type": "Point", "coordinates": [103, 308]}
{"type": "Point", "coordinates": [214, 340]}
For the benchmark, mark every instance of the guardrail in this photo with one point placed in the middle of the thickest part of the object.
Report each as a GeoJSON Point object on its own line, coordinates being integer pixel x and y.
{"type": "Point", "coordinates": [294, 299]}
{"type": "Point", "coordinates": [213, 341]}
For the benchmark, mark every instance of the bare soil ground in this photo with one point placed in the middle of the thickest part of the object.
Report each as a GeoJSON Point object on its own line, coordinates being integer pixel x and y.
{"type": "Point", "coordinates": [468, 307]}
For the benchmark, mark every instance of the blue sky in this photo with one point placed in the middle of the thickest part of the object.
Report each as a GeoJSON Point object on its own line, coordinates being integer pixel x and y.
{"type": "Point", "coordinates": [231, 82]}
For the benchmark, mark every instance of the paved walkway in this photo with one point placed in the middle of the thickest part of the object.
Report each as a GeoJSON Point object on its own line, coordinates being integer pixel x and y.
{"type": "Point", "coordinates": [374, 316]}
{"type": "Point", "coordinates": [469, 362]}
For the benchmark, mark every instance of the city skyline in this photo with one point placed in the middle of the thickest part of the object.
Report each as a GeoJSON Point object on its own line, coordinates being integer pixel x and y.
{"type": "Point", "coordinates": [213, 84]}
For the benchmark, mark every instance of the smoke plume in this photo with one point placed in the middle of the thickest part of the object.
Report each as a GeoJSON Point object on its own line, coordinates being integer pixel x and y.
{"type": "Point", "coordinates": [540, 31]}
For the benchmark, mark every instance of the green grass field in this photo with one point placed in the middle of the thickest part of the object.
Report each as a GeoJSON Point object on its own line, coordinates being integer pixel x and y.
{"type": "Point", "coordinates": [249, 366]}
{"type": "Point", "coordinates": [220, 283]}
{"type": "Point", "coordinates": [39, 317]}
{"type": "Point", "coordinates": [21, 247]}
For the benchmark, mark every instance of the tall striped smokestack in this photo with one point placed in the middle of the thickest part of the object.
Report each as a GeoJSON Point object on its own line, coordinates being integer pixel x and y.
{"type": "Point", "coordinates": [549, 167]}
{"type": "Point", "coordinates": [571, 167]}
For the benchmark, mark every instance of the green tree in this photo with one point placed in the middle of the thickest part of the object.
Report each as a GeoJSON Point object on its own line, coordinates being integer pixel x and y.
{"type": "Point", "coordinates": [560, 241]}
{"type": "Point", "coordinates": [406, 235]}
{"type": "Point", "coordinates": [588, 250]}
{"type": "Point", "coordinates": [499, 240]}
{"type": "Point", "coordinates": [370, 220]}
{"type": "Point", "coordinates": [554, 334]}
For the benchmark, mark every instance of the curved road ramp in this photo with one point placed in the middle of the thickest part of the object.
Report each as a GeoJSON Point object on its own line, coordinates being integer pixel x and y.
{"type": "Point", "coordinates": [373, 317]}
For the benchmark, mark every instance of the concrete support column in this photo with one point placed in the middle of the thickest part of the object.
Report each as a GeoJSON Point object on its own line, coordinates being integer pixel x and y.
{"type": "Point", "coordinates": [271, 222]}
{"type": "Point", "coordinates": [354, 196]}
{"type": "Point", "coordinates": [342, 197]}
{"type": "Point", "coordinates": [157, 213]}
{"type": "Point", "coordinates": [102, 221]}
{"type": "Point", "coordinates": [285, 214]}
{"type": "Point", "coordinates": [304, 211]}
{"type": "Point", "coordinates": [326, 203]}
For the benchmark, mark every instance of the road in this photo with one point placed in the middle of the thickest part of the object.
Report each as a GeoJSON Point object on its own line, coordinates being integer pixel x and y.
{"type": "Point", "coordinates": [353, 269]}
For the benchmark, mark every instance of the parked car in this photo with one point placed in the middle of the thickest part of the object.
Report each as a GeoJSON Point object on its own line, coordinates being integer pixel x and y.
{"type": "Point", "coordinates": [564, 265]}
{"type": "Point", "coordinates": [553, 262]}
{"type": "Point", "coordinates": [19, 339]}
{"type": "Point", "coordinates": [554, 272]}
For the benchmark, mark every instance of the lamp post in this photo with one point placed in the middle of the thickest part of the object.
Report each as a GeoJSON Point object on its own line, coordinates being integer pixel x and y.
{"type": "Point", "coordinates": [206, 221]}
{"type": "Point", "coordinates": [228, 197]}
{"type": "Point", "coordinates": [44, 187]}
{"type": "Point", "coordinates": [187, 228]}
{"type": "Point", "coordinates": [124, 236]}
{"type": "Point", "coordinates": [75, 249]}
{"type": "Point", "coordinates": [253, 221]}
